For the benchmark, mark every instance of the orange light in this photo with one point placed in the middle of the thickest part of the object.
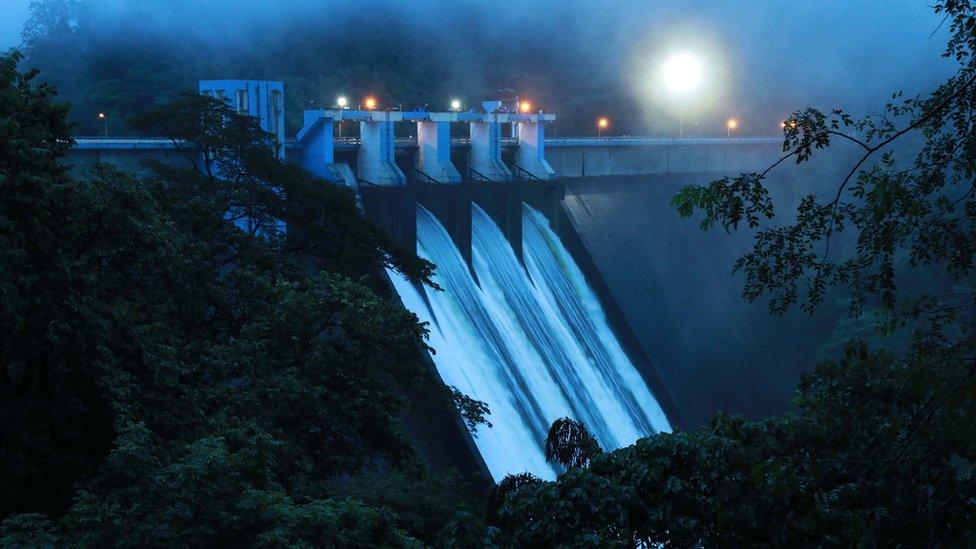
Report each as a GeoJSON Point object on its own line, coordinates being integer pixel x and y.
{"type": "Point", "coordinates": [370, 103]}
{"type": "Point", "coordinates": [603, 122]}
{"type": "Point", "coordinates": [732, 123]}
{"type": "Point", "coordinates": [525, 106]}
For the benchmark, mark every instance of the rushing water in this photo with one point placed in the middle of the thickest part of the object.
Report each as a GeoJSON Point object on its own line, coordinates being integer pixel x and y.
{"type": "Point", "coordinates": [532, 342]}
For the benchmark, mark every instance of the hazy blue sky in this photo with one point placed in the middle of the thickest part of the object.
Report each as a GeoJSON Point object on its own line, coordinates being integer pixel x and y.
{"type": "Point", "coordinates": [12, 17]}
{"type": "Point", "coordinates": [761, 55]}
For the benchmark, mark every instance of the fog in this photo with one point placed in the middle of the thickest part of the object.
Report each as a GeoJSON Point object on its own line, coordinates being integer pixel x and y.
{"type": "Point", "coordinates": [761, 59]}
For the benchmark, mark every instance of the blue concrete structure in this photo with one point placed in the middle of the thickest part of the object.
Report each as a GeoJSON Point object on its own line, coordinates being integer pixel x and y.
{"type": "Point", "coordinates": [374, 155]}
{"type": "Point", "coordinates": [262, 99]}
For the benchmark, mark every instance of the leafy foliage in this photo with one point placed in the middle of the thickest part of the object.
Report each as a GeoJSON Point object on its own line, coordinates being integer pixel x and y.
{"type": "Point", "coordinates": [474, 412]}
{"type": "Point", "coordinates": [261, 192]}
{"type": "Point", "coordinates": [167, 378]}
{"type": "Point", "coordinates": [511, 484]}
{"type": "Point", "coordinates": [920, 214]}
{"type": "Point", "coordinates": [878, 452]}
{"type": "Point", "coordinates": [570, 444]}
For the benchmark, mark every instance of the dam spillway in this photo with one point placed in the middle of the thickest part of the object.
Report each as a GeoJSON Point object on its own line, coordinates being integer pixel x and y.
{"type": "Point", "coordinates": [529, 338]}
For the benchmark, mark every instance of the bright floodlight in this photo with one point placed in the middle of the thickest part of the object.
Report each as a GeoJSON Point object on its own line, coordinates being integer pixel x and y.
{"type": "Point", "coordinates": [525, 106]}
{"type": "Point", "coordinates": [101, 116]}
{"type": "Point", "coordinates": [682, 73]}
{"type": "Point", "coordinates": [342, 102]}
{"type": "Point", "coordinates": [732, 123]}
{"type": "Point", "coordinates": [370, 103]}
{"type": "Point", "coordinates": [603, 122]}
{"type": "Point", "coordinates": [455, 105]}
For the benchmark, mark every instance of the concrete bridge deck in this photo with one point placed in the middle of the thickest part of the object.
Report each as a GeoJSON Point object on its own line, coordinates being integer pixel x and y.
{"type": "Point", "coordinates": [568, 156]}
{"type": "Point", "coordinates": [352, 143]}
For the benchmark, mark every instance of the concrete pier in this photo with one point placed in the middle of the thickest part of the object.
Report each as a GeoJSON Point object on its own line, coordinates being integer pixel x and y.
{"type": "Point", "coordinates": [434, 149]}
{"type": "Point", "coordinates": [485, 158]}
{"type": "Point", "coordinates": [318, 145]}
{"type": "Point", "coordinates": [531, 153]}
{"type": "Point", "coordinates": [375, 163]}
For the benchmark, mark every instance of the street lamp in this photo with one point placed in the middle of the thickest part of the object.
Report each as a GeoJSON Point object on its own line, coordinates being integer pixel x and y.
{"type": "Point", "coordinates": [602, 124]}
{"type": "Point", "coordinates": [342, 102]}
{"type": "Point", "coordinates": [525, 106]}
{"type": "Point", "coordinates": [455, 105]}
{"type": "Point", "coordinates": [104, 118]}
{"type": "Point", "coordinates": [682, 74]}
{"type": "Point", "coordinates": [729, 126]}
{"type": "Point", "coordinates": [370, 103]}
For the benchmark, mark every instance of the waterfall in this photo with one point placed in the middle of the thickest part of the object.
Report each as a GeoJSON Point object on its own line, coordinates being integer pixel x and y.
{"type": "Point", "coordinates": [531, 342]}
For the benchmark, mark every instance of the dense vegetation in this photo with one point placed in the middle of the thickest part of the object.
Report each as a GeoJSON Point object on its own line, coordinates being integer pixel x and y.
{"type": "Point", "coordinates": [176, 370]}
{"type": "Point", "coordinates": [173, 370]}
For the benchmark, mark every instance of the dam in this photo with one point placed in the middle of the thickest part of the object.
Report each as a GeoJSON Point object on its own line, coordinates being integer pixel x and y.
{"type": "Point", "coordinates": [568, 281]}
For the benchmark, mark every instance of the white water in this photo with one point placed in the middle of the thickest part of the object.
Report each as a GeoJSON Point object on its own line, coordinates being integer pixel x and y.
{"type": "Point", "coordinates": [534, 345]}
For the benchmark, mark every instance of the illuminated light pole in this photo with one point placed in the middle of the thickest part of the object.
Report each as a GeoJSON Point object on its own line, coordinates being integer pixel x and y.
{"type": "Point", "coordinates": [525, 107]}
{"type": "Point", "coordinates": [343, 103]}
{"type": "Point", "coordinates": [370, 103]}
{"type": "Point", "coordinates": [682, 74]}
{"type": "Point", "coordinates": [729, 126]}
{"type": "Point", "coordinates": [456, 105]}
{"type": "Point", "coordinates": [104, 118]}
{"type": "Point", "coordinates": [602, 124]}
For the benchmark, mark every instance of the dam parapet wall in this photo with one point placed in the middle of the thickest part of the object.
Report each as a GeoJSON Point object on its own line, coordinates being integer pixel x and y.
{"type": "Point", "coordinates": [624, 156]}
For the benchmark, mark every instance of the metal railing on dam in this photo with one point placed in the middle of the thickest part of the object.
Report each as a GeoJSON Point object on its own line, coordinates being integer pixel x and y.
{"type": "Point", "coordinates": [568, 156]}
{"type": "Point", "coordinates": [650, 141]}
{"type": "Point", "coordinates": [127, 142]}
{"type": "Point", "coordinates": [350, 143]}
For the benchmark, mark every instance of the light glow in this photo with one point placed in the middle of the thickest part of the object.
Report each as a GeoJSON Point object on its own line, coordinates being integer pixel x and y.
{"type": "Point", "coordinates": [681, 73]}
{"type": "Point", "coordinates": [370, 103]}
{"type": "Point", "coordinates": [455, 105]}
{"type": "Point", "coordinates": [525, 106]}
{"type": "Point", "coordinates": [603, 122]}
{"type": "Point", "coordinates": [102, 116]}
{"type": "Point", "coordinates": [342, 102]}
{"type": "Point", "coordinates": [732, 123]}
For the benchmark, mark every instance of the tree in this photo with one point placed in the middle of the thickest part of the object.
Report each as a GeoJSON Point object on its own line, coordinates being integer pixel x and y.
{"type": "Point", "coordinates": [167, 378]}
{"type": "Point", "coordinates": [880, 449]}
{"type": "Point", "coordinates": [270, 195]}
{"type": "Point", "coordinates": [569, 444]}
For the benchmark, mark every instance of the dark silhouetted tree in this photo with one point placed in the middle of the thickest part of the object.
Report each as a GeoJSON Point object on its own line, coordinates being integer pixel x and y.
{"type": "Point", "coordinates": [570, 444]}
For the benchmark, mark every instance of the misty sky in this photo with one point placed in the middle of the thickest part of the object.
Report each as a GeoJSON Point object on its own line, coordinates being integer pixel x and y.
{"type": "Point", "coordinates": [11, 21]}
{"type": "Point", "coordinates": [761, 56]}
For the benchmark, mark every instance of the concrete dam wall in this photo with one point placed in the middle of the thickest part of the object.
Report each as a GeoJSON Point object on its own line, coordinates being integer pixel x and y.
{"type": "Point", "coordinates": [673, 283]}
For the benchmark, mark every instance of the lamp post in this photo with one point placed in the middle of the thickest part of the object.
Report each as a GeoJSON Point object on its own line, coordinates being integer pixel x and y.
{"type": "Point", "coordinates": [682, 74]}
{"type": "Point", "coordinates": [602, 124]}
{"type": "Point", "coordinates": [729, 126]}
{"type": "Point", "coordinates": [456, 105]}
{"type": "Point", "coordinates": [104, 118]}
{"type": "Point", "coordinates": [343, 103]}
